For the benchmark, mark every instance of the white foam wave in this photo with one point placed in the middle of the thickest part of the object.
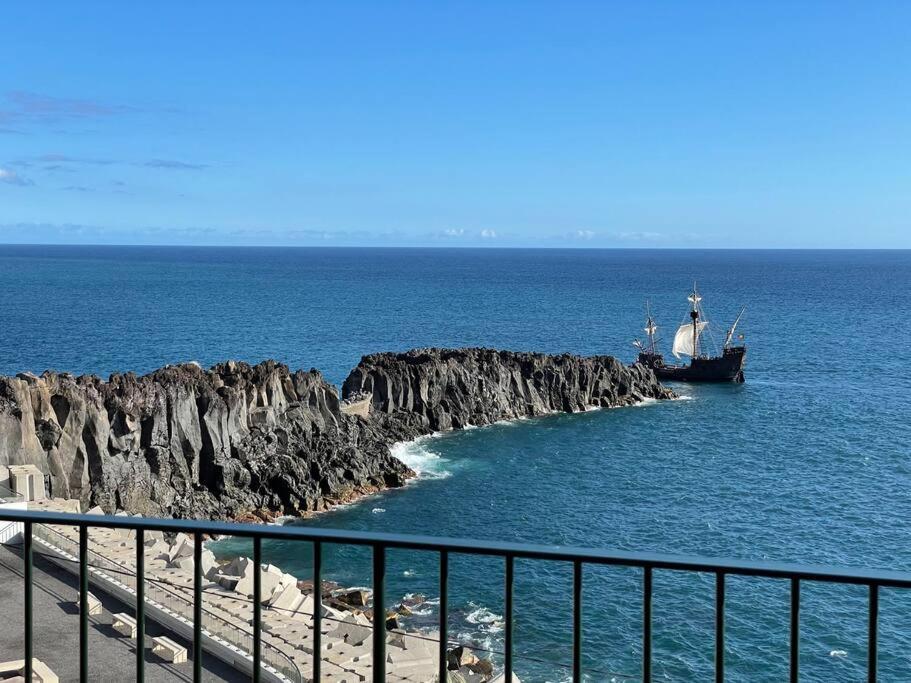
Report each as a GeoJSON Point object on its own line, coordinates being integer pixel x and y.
{"type": "Point", "coordinates": [347, 589]}
{"type": "Point", "coordinates": [425, 462]}
{"type": "Point", "coordinates": [378, 511]}
{"type": "Point", "coordinates": [484, 618]}
{"type": "Point", "coordinates": [281, 521]}
{"type": "Point", "coordinates": [838, 653]}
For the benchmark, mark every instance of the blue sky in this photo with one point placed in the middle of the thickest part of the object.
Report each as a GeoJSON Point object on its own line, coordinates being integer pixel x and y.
{"type": "Point", "coordinates": [603, 124]}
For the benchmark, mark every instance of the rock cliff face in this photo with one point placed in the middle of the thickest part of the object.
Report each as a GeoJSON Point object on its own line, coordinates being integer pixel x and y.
{"type": "Point", "coordinates": [428, 390]}
{"type": "Point", "coordinates": [238, 439]}
{"type": "Point", "coordinates": [186, 442]}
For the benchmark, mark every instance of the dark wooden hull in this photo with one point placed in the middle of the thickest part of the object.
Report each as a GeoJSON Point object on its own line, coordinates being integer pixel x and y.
{"type": "Point", "coordinates": [725, 368]}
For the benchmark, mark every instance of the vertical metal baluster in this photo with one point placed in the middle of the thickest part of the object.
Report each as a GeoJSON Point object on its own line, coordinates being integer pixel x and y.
{"type": "Point", "coordinates": [27, 560]}
{"type": "Point", "coordinates": [507, 634]}
{"type": "Point", "coordinates": [197, 607]}
{"type": "Point", "coordinates": [317, 609]}
{"type": "Point", "coordinates": [444, 614]}
{"type": "Point", "coordinates": [577, 621]}
{"type": "Point", "coordinates": [647, 625]}
{"type": "Point", "coordinates": [83, 603]}
{"type": "Point", "coordinates": [873, 629]}
{"type": "Point", "coordinates": [379, 614]}
{"type": "Point", "coordinates": [795, 630]}
{"type": "Point", "coordinates": [719, 627]}
{"type": "Point", "coordinates": [140, 607]}
{"type": "Point", "coordinates": [257, 607]}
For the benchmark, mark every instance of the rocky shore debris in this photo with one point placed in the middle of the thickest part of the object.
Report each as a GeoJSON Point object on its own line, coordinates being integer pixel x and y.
{"type": "Point", "coordinates": [258, 442]}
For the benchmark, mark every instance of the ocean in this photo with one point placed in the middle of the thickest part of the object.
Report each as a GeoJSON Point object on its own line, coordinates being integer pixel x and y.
{"type": "Point", "coordinates": [809, 461]}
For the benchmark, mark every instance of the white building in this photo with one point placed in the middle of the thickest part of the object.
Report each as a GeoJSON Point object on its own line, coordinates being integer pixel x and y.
{"type": "Point", "coordinates": [19, 484]}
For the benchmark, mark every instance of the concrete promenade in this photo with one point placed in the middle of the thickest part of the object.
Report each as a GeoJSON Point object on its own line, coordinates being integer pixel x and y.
{"type": "Point", "coordinates": [112, 658]}
{"type": "Point", "coordinates": [287, 612]}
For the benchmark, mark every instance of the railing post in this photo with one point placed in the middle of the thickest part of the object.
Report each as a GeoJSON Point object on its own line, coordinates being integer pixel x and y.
{"type": "Point", "coordinates": [317, 608]}
{"type": "Point", "coordinates": [507, 629]}
{"type": "Point", "coordinates": [719, 627]}
{"type": "Point", "coordinates": [872, 633]}
{"type": "Point", "coordinates": [257, 607]}
{"type": "Point", "coordinates": [197, 607]}
{"type": "Point", "coordinates": [140, 607]}
{"type": "Point", "coordinates": [444, 616]}
{"type": "Point", "coordinates": [647, 625]}
{"type": "Point", "coordinates": [577, 621]}
{"type": "Point", "coordinates": [27, 575]}
{"type": "Point", "coordinates": [379, 614]}
{"type": "Point", "coordinates": [83, 603]}
{"type": "Point", "coordinates": [795, 631]}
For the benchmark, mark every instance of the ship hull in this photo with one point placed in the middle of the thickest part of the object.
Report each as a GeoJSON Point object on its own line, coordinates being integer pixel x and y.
{"type": "Point", "coordinates": [725, 368]}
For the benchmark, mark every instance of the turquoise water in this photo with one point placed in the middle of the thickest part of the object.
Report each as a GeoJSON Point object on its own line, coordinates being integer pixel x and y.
{"type": "Point", "coordinates": [808, 461]}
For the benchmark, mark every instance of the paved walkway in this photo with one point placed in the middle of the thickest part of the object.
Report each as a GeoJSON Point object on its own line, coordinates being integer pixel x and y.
{"type": "Point", "coordinates": [112, 658]}
{"type": "Point", "coordinates": [287, 629]}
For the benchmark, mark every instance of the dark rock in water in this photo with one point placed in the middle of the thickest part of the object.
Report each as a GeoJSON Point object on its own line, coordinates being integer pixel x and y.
{"type": "Point", "coordinates": [428, 390]}
{"type": "Point", "coordinates": [459, 656]}
{"type": "Point", "coordinates": [257, 441]}
{"type": "Point", "coordinates": [392, 621]}
{"type": "Point", "coordinates": [355, 597]}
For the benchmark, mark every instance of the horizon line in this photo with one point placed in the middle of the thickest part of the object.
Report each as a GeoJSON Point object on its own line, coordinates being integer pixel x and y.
{"type": "Point", "coordinates": [438, 247]}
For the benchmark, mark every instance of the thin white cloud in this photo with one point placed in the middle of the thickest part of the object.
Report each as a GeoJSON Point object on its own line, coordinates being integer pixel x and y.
{"type": "Point", "coordinates": [56, 162]}
{"type": "Point", "coordinates": [454, 232]}
{"type": "Point", "coordinates": [174, 165]}
{"type": "Point", "coordinates": [639, 236]}
{"type": "Point", "coordinates": [12, 178]}
{"type": "Point", "coordinates": [28, 107]}
{"type": "Point", "coordinates": [488, 234]}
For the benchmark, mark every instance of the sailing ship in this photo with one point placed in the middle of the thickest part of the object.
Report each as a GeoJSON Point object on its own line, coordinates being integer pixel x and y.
{"type": "Point", "coordinates": [728, 367]}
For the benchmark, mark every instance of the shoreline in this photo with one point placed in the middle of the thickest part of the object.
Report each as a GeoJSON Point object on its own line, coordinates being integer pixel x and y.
{"type": "Point", "coordinates": [260, 443]}
{"type": "Point", "coordinates": [262, 517]}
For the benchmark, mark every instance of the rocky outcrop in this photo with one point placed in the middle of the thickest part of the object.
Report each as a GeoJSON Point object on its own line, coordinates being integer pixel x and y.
{"type": "Point", "coordinates": [428, 390]}
{"type": "Point", "coordinates": [187, 442]}
{"type": "Point", "coordinates": [239, 440]}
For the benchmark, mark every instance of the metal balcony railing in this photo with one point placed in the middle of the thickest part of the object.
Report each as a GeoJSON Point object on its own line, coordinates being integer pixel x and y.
{"type": "Point", "coordinates": [8, 496]}
{"type": "Point", "coordinates": [873, 580]}
{"type": "Point", "coordinates": [167, 598]}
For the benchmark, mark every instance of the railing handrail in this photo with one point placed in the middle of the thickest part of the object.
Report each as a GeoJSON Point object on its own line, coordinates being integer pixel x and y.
{"type": "Point", "coordinates": [9, 496]}
{"type": "Point", "coordinates": [644, 560]}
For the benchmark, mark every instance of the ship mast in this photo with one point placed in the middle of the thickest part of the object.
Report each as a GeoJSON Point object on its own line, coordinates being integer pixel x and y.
{"type": "Point", "coordinates": [730, 335]}
{"type": "Point", "coordinates": [694, 314]}
{"type": "Point", "coordinates": [650, 327]}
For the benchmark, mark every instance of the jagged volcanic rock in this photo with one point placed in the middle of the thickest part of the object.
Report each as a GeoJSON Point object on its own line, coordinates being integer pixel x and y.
{"type": "Point", "coordinates": [186, 442]}
{"type": "Point", "coordinates": [237, 439]}
{"type": "Point", "coordinates": [427, 390]}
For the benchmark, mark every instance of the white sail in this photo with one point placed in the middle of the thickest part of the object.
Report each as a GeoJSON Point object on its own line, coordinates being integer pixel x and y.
{"type": "Point", "coordinates": [651, 328]}
{"type": "Point", "coordinates": [683, 340]}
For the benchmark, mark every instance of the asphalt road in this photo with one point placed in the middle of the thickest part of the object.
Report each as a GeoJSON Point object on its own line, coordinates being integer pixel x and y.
{"type": "Point", "coordinates": [112, 657]}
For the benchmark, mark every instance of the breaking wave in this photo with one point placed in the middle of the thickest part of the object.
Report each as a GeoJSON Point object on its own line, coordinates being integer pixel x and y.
{"type": "Point", "coordinates": [484, 618]}
{"type": "Point", "coordinates": [425, 462]}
